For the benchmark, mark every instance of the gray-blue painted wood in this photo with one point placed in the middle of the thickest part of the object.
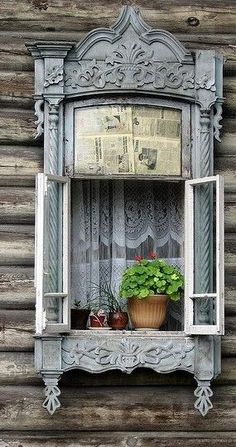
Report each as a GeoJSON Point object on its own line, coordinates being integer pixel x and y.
{"type": "Point", "coordinates": [151, 65]}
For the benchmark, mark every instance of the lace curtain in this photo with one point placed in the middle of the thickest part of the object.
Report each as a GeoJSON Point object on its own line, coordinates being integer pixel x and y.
{"type": "Point", "coordinates": [114, 221]}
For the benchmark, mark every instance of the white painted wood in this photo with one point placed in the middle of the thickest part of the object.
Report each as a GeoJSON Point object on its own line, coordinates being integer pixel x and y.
{"type": "Point", "coordinates": [188, 257]}
{"type": "Point", "coordinates": [190, 327]}
{"type": "Point", "coordinates": [41, 295]}
{"type": "Point", "coordinates": [39, 249]}
{"type": "Point", "coordinates": [220, 253]}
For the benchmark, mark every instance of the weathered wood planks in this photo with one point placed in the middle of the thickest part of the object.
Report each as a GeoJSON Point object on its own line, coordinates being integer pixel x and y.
{"type": "Point", "coordinates": [16, 245]}
{"type": "Point", "coordinates": [17, 126]}
{"type": "Point", "coordinates": [16, 330]}
{"type": "Point", "coordinates": [119, 439]}
{"type": "Point", "coordinates": [157, 408]}
{"type": "Point", "coordinates": [17, 205]}
{"type": "Point", "coordinates": [17, 287]}
{"type": "Point", "coordinates": [49, 16]}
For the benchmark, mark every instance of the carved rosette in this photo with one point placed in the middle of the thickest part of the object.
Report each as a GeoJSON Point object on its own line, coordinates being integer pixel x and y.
{"type": "Point", "coordinates": [54, 76]}
{"type": "Point", "coordinates": [127, 355]}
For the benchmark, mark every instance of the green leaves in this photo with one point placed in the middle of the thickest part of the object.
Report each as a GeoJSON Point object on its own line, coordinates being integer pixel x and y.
{"type": "Point", "coordinates": [152, 277]}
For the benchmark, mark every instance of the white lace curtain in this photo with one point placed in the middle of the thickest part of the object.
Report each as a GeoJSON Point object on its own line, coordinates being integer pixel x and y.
{"type": "Point", "coordinates": [114, 221]}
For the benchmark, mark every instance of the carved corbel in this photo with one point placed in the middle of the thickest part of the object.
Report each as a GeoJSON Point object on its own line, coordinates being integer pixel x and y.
{"type": "Point", "coordinates": [52, 392]}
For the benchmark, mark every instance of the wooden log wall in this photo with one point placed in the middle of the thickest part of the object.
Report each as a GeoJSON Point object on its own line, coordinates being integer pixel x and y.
{"type": "Point", "coordinates": [144, 409]}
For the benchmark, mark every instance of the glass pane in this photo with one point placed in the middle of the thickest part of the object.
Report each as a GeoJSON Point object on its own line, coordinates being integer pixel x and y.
{"type": "Point", "coordinates": [53, 249]}
{"type": "Point", "coordinates": [117, 139]}
{"type": "Point", "coordinates": [53, 309]}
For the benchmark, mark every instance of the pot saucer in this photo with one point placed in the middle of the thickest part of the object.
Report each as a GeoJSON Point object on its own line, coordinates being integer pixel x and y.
{"type": "Point", "coordinates": [99, 328]}
{"type": "Point", "coordinates": [145, 329]}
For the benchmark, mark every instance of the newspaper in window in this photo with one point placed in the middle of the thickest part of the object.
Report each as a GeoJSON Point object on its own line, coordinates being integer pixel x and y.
{"type": "Point", "coordinates": [117, 139]}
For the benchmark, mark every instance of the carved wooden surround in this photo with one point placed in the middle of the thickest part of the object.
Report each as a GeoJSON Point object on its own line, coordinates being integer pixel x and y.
{"type": "Point", "coordinates": [129, 58]}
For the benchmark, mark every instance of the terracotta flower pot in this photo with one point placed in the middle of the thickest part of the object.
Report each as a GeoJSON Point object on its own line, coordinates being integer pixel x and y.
{"type": "Point", "coordinates": [118, 320]}
{"type": "Point", "coordinates": [79, 318]}
{"type": "Point", "coordinates": [149, 313]}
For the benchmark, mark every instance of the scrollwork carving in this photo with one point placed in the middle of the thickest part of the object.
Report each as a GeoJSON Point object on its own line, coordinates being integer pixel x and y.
{"type": "Point", "coordinates": [129, 67]}
{"type": "Point", "coordinates": [129, 354]}
{"type": "Point", "coordinates": [217, 119]}
{"type": "Point", "coordinates": [52, 392]}
{"type": "Point", "coordinates": [51, 403]}
{"type": "Point", "coordinates": [203, 393]}
{"type": "Point", "coordinates": [39, 103]}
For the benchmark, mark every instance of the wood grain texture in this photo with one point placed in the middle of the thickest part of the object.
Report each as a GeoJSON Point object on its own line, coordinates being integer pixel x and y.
{"type": "Point", "coordinates": [16, 245]}
{"type": "Point", "coordinates": [16, 89]}
{"type": "Point", "coordinates": [92, 405]}
{"type": "Point", "coordinates": [17, 126]}
{"type": "Point", "coordinates": [16, 330]}
{"type": "Point", "coordinates": [110, 408]}
{"type": "Point", "coordinates": [39, 15]}
{"type": "Point", "coordinates": [118, 439]}
{"type": "Point", "coordinates": [20, 164]}
{"type": "Point", "coordinates": [17, 287]}
{"type": "Point", "coordinates": [17, 205]}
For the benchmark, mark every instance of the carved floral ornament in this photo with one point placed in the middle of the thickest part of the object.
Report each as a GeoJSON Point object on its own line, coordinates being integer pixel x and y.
{"type": "Point", "coordinates": [129, 67]}
{"type": "Point", "coordinates": [128, 355]}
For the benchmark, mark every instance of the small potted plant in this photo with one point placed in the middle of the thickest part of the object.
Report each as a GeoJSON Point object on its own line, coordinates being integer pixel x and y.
{"type": "Point", "coordinates": [148, 285]}
{"type": "Point", "coordinates": [79, 315]}
{"type": "Point", "coordinates": [117, 317]}
{"type": "Point", "coordinates": [97, 319]}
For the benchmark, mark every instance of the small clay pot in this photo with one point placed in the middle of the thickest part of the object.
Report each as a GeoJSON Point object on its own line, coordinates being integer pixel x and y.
{"type": "Point", "coordinates": [79, 318]}
{"type": "Point", "coordinates": [97, 320]}
{"type": "Point", "coordinates": [118, 320]}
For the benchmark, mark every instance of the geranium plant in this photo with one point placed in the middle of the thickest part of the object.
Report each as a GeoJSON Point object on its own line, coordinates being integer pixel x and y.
{"type": "Point", "coordinates": [151, 277]}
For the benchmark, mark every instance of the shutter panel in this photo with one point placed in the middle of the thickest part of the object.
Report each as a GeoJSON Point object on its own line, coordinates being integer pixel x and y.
{"type": "Point", "coordinates": [52, 254]}
{"type": "Point", "coordinates": [203, 255]}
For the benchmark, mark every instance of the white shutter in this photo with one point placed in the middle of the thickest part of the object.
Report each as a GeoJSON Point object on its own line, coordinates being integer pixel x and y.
{"type": "Point", "coordinates": [52, 253]}
{"type": "Point", "coordinates": [191, 327]}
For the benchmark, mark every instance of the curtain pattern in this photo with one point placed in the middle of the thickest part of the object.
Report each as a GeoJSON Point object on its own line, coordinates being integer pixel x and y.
{"type": "Point", "coordinates": [114, 221]}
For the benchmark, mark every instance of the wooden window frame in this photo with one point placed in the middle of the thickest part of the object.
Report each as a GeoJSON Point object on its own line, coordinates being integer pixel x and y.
{"type": "Point", "coordinates": [190, 296]}
{"type": "Point", "coordinates": [41, 239]}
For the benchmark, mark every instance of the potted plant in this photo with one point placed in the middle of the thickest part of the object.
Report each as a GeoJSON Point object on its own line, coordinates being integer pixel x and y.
{"type": "Point", "coordinates": [97, 319]}
{"type": "Point", "coordinates": [79, 315]}
{"type": "Point", "coordinates": [117, 317]}
{"type": "Point", "coordinates": [148, 285]}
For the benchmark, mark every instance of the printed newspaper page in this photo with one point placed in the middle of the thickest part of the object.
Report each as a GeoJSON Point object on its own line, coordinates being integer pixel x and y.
{"type": "Point", "coordinates": [118, 139]}
{"type": "Point", "coordinates": [103, 140]}
{"type": "Point", "coordinates": [157, 141]}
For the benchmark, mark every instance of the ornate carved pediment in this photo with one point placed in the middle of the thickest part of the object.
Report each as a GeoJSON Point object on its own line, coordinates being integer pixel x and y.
{"type": "Point", "coordinates": [129, 55]}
